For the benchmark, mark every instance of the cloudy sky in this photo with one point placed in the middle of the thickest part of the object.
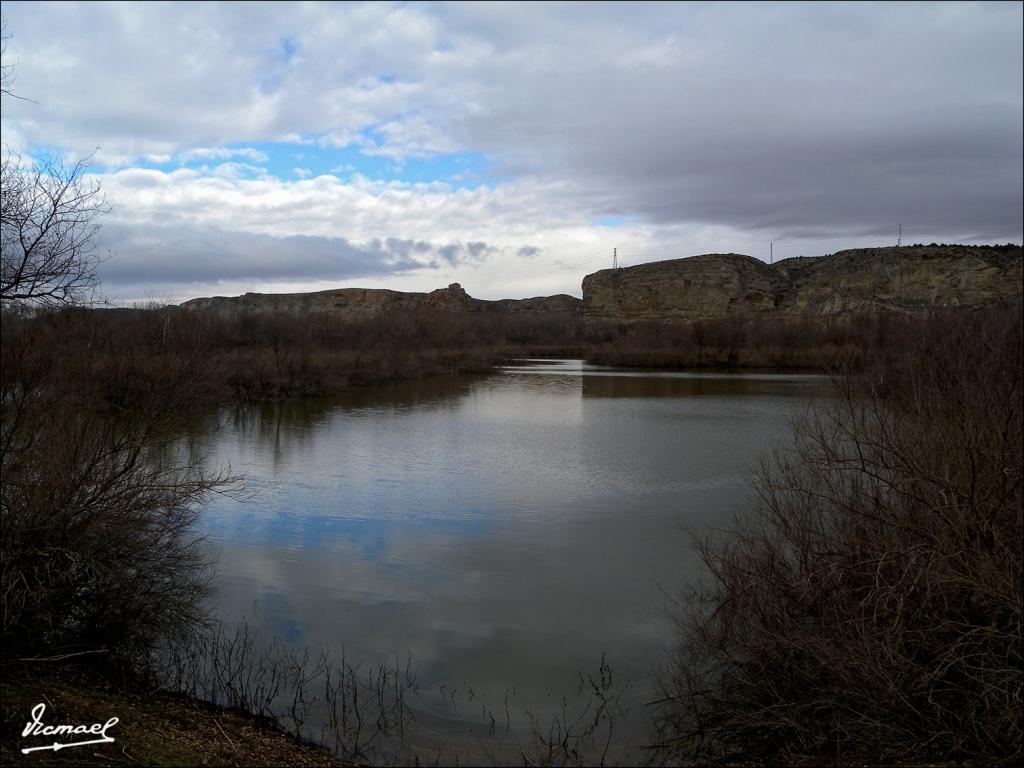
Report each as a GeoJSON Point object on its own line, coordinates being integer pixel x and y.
{"type": "Point", "coordinates": [511, 147]}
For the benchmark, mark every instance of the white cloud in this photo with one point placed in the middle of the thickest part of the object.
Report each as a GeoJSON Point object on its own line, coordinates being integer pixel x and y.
{"type": "Point", "coordinates": [237, 170]}
{"type": "Point", "coordinates": [190, 231]}
{"type": "Point", "coordinates": [410, 137]}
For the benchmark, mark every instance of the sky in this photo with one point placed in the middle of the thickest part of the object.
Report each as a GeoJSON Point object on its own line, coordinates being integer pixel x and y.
{"type": "Point", "coordinates": [511, 147]}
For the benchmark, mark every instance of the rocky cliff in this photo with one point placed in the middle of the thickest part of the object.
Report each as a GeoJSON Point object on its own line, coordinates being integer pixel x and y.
{"type": "Point", "coordinates": [363, 303]}
{"type": "Point", "coordinates": [911, 279]}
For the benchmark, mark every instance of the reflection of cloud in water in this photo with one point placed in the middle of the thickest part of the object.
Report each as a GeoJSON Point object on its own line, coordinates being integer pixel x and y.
{"type": "Point", "coordinates": [367, 536]}
{"type": "Point", "coordinates": [514, 606]}
{"type": "Point", "coordinates": [505, 531]}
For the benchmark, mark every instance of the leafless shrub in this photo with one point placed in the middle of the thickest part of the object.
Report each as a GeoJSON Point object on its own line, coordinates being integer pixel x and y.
{"type": "Point", "coordinates": [753, 342]}
{"type": "Point", "coordinates": [582, 732]}
{"type": "Point", "coordinates": [96, 514]}
{"type": "Point", "coordinates": [98, 498]}
{"type": "Point", "coordinates": [871, 608]}
{"type": "Point", "coordinates": [359, 711]}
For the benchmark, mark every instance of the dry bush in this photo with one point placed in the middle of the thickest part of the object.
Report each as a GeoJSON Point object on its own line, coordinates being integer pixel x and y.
{"type": "Point", "coordinates": [96, 511]}
{"type": "Point", "coordinates": [125, 359]}
{"type": "Point", "coordinates": [752, 342]}
{"type": "Point", "coordinates": [871, 608]}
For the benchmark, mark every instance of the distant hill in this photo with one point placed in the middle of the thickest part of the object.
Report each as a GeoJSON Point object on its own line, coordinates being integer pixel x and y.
{"type": "Point", "coordinates": [364, 303]}
{"type": "Point", "coordinates": [910, 279]}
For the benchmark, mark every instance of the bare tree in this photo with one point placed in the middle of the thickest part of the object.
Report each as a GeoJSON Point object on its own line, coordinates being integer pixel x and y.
{"type": "Point", "coordinates": [49, 222]}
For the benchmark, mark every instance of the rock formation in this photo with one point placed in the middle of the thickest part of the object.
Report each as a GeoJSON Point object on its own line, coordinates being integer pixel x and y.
{"type": "Point", "coordinates": [363, 303]}
{"type": "Point", "coordinates": [911, 279]}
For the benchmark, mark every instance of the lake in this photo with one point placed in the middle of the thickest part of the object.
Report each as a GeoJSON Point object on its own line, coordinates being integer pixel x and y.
{"type": "Point", "coordinates": [505, 532]}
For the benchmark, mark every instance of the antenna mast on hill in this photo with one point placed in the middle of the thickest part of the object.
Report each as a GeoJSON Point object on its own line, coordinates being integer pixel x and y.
{"type": "Point", "coordinates": [771, 252]}
{"type": "Point", "coordinates": [899, 240]}
{"type": "Point", "coordinates": [615, 258]}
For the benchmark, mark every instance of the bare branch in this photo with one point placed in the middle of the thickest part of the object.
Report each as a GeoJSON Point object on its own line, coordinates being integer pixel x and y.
{"type": "Point", "coordinates": [7, 74]}
{"type": "Point", "coordinates": [49, 223]}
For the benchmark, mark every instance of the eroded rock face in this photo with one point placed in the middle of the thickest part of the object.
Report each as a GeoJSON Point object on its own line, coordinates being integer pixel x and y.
{"type": "Point", "coordinates": [363, 303]}
{"type": "Point", "coordinates": [697, 288]}
{"type": "Point", "coordinates": [910, 280]}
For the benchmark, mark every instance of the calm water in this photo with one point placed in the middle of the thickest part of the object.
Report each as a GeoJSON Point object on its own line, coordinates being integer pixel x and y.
{"type": "Point", "coordinates": [506, 531]}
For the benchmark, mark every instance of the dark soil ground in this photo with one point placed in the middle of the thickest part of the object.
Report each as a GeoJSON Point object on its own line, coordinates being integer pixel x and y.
{"type": "Point", "coordinates": [155, 728]}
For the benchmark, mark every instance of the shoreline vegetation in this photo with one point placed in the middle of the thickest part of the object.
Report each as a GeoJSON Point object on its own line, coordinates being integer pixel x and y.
{"type": "Point", "coordinates": [867, 608]}
{"type": "Point", "coordinates": [122, 360]}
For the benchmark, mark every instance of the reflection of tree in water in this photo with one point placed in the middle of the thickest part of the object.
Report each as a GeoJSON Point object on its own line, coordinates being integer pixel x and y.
{"type": "Point", "coordinates": [654, 384]}
{"type": "Point", "coordinates": [290, 426]}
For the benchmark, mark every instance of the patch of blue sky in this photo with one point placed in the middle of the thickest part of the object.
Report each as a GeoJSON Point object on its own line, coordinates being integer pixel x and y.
{"type": "Point", "coordinates": [280, 55]}
{"type": "Point", "coordinates": [610, 221]}
{"type": "Point", "coordinates": [46, 154]}
{"type": "Point", "coordinates": [460, 170]}
{"type": "Point", "coordinates": [286, 48]}
{"type": "Point", "coordinates": [292, 161]}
